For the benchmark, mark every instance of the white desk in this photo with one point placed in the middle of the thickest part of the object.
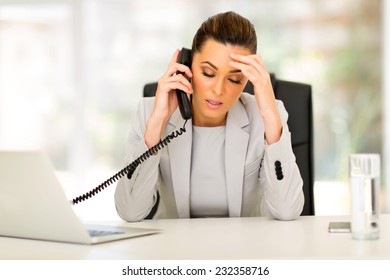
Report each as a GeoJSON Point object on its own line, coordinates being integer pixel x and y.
{"type": "Point", "coordinates": [234, 238]}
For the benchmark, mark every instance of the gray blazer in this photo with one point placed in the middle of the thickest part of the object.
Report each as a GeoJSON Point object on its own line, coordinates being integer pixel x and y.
{"type": "Point", "coordinates": [261, 179]}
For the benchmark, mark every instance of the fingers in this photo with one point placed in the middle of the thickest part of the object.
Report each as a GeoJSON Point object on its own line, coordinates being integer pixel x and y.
{"type": "Point", "coordinates": [251, 66]}
{"type": "Point", "coordinates": [175, 67]}
{"type": "Point", "coordinates": [175, 77]}
{"type": "Point", "coordinates": [167, 84]}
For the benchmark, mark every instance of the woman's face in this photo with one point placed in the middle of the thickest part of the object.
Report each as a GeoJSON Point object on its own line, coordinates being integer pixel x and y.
{"type": "Point", "coordinates": [216, 84]}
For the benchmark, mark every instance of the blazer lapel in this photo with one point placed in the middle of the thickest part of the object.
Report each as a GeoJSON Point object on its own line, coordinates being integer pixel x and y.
{"type": "Point", "coordinates": [179, 150]}
{"type": "Point", "coordinates": [236, 143]}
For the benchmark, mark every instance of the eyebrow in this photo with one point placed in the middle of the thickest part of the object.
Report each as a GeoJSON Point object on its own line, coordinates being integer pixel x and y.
{"type": "Point", "coordinates": [216, 68]}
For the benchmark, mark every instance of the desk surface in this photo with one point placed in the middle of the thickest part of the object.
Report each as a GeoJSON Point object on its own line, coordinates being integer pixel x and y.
{"type": "Point", "coordinates": [230, 238]}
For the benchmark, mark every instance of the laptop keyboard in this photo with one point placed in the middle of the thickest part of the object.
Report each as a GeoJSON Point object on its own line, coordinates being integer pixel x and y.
{"type": "Point", "coordinates": [96, 233]}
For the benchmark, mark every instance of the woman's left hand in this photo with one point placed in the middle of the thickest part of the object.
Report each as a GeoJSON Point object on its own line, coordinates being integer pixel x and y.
{"type": "Point", "coordinates": [253, 68]}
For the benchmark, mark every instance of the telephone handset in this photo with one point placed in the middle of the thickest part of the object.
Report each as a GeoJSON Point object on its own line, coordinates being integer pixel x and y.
{"type": "Point", "coordinates": [182, 98]}
{"type": "Point", "coordinates": [186, 112]}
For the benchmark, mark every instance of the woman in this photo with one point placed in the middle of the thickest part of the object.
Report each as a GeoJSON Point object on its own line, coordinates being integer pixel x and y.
{"type": "Point", "coordinates": [236, 157]}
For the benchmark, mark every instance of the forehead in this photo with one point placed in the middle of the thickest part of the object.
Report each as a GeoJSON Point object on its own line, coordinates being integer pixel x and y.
{"type": "Point", "coordinates": [215, 52]}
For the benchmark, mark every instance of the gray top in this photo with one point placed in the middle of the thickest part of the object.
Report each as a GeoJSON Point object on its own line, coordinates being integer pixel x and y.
{"type": "Point", "coordinates": [208, 194]}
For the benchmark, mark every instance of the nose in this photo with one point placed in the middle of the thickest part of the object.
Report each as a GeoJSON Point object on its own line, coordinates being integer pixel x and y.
{"type": "Point", "coordinates": [219, 88]}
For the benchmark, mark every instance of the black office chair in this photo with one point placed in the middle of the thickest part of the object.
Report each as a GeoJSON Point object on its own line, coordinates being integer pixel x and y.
{"type": "Point", "coordinates": [298, 102]}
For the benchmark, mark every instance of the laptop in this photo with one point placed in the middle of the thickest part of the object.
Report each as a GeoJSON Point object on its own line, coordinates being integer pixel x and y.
{"type": "Point", "coordinates": [33, 204]}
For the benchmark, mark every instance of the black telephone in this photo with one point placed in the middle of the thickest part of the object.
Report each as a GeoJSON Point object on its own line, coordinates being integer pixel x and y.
{"type": "Point", "coordinates": [186, 113]}
{"type": "Point", "coordinates": [184, 103]}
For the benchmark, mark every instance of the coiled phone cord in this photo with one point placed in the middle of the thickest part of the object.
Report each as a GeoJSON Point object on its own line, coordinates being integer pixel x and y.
{"type": "Point", "coordinates": [129, 169]}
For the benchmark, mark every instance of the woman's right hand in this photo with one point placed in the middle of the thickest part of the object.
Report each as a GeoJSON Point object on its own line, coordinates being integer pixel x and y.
{"type": "Point", "coordinates": [166, 101]}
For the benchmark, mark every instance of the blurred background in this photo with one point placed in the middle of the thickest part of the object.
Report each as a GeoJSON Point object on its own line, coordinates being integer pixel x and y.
{"type": "Point", "coordinates": [72, 74]}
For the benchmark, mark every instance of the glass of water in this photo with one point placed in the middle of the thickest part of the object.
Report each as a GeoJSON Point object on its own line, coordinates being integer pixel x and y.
{"type": "Point", "coordinates": [364, 179]}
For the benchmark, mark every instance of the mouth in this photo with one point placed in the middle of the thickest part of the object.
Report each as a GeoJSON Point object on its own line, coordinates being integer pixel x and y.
{"type": "Point", "coordinates": [213, 104]}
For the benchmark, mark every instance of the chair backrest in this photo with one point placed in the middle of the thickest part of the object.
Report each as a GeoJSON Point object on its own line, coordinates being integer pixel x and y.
{"type": "Point", "coordinates": [298, 102]}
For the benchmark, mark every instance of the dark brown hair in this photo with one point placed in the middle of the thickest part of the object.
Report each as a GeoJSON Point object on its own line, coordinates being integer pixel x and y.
{"type": "Point", "coordinates": [226, 28]}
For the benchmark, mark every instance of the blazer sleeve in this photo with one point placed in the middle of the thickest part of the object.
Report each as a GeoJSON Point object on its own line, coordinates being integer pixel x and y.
{"type": "Point", "coordinates": [135, 198]}
{"type": "Point", "coordinates": [279, 173]}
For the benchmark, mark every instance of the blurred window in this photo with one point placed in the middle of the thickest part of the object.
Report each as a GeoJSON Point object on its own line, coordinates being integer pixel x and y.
{"type": "Point", "coordinates": [72, 73]}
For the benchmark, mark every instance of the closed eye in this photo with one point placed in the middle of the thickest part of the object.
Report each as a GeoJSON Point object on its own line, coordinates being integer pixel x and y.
{"type": "Point", "coordinates": [208, 75]}
{"type": "Point", "coordinates": [235, 81]}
